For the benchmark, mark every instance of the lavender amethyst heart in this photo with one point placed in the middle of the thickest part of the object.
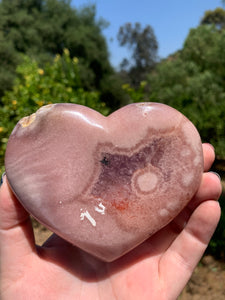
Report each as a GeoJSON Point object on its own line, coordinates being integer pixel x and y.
{"type": "Point", "coordinates": [105, 184]}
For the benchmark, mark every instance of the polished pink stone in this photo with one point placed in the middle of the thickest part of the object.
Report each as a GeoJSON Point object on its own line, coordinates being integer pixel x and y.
{"type": "Point", "coordinates": [105, 184]}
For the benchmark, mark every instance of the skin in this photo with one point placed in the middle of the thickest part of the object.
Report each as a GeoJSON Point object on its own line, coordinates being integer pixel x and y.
{"type": "Point", "coordinates": [157, 269]}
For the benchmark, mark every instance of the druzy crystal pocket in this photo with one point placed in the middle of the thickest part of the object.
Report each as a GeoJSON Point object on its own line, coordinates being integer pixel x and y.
{"type": "Point", "coordinates": [105, 184]}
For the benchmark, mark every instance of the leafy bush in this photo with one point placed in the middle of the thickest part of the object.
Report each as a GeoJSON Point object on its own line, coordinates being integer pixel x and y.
{"type": "Point", "coordinates": [199, 95]}
{"type": "Point", "coordinates": [42, 28]}
{"type": "Point", "coordinates": [34, 86]}
{"type": "Point", "coordinates": [136, 94]}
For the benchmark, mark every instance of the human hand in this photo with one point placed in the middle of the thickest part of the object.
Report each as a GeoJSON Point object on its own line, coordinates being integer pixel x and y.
{"type": "Point", "coordinates": [159, 268]}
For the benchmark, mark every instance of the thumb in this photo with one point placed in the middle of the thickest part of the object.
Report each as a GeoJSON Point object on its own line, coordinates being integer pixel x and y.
{"type": "Point", "coordinates": [16, 232]}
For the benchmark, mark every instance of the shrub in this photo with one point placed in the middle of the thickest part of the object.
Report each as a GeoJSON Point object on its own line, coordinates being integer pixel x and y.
{"type": "Point", "coordinates": [34, 87]}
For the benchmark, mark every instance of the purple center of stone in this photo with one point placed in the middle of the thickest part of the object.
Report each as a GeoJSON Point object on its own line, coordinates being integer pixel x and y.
{"type": "Point", "coordinates": [117, 170]}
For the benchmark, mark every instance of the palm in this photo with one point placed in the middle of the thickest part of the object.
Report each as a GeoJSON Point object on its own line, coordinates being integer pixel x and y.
{"type": "Point", "coordinates": [157, 269]}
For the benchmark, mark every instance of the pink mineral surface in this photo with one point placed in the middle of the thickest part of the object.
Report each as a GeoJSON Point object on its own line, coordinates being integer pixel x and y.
{"type": "Point", "coordinates": [105, 184]}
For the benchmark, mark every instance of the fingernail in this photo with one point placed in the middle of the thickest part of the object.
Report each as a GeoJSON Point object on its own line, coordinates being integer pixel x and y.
{"type": "Point", "coordinates": [2, 178]}
{"type": "Point", "coordinates": [218, 175]}
{"type": "Point", "coordinates": [210, 145]}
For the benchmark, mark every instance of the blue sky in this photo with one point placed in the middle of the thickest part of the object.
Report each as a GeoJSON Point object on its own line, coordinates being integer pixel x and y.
{"type": "Point", "coordinates": [171, 20]}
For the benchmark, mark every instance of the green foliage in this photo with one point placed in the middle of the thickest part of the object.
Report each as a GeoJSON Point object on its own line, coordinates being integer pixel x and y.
{"type": "Point", "coordinates": [112, 92]}
{"type": "Point", "coordinates": [34, 86]}
{"type": "Point", "coordinates": [193, 81]}
{"type": "Point", "coordinates": [136, 94]}
{"type": "Point", "coordinates": [216, 17]}
{"type": "Point", "coordinates": [205, 47]}
{"type": "Point", "coordinates": [8, 60]}
{"type": "Point", "coordinates": [43, 28]}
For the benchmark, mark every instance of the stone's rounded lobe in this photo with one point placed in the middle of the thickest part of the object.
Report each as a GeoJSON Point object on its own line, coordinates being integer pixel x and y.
{"type": "Point", "coordinates": [104, 183]}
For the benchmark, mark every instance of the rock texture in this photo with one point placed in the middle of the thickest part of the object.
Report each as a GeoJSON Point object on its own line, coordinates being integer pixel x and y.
{"type": "Point", "coordinates": [105, 184]}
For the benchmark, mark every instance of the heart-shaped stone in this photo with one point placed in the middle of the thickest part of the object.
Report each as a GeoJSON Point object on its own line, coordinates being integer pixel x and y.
{"type": "Point", "coordinates": [105, 184]}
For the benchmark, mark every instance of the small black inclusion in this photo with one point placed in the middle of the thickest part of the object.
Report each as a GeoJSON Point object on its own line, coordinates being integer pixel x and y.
{"type": "Point", "coordinates": [104, 161]}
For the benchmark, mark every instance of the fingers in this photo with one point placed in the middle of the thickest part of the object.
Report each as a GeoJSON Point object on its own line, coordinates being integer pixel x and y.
{"type": "Point", "coordinates": [210, 188]}
{"type": "Point", "coordinates": [16, 233]}
{"type": "Point", "coordinates": [209, 156]}
{"type": "Point", "coordinates": [11, 211]}
{"type": "Point", "coordinates": [195, 225]}
{"type": "Point", "coordinates": [179, 261]}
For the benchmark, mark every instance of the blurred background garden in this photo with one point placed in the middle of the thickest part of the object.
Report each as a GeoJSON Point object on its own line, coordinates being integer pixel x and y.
{"type": "Point", "coordinates": [51, 51]}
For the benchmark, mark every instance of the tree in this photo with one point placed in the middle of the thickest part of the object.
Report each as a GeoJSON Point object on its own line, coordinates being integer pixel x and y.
{"type": "Point", "coordinates": [214, 17]}
{"type": "Point", "coordinates": [43, 28]}
{"type": "Point", "coordinates": [8, 60]}
{"type": "Point", "coordinates": [205, 46]}
{"type": "Point", "coordinates": [142, 42]}
{"type": "Point", "coordinates": [193, 81]}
